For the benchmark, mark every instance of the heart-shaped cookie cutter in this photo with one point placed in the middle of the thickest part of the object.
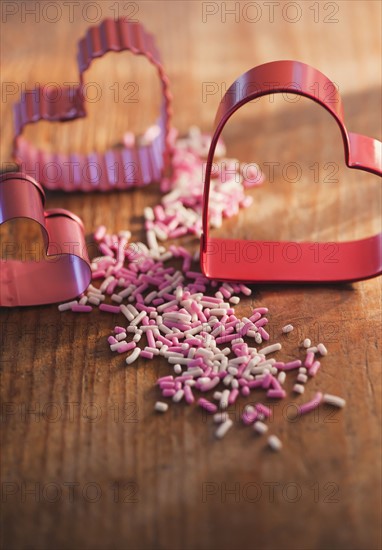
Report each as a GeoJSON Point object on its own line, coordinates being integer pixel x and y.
{"type": "Point", "coordinates": [119, 168]}
{"type": "Point", "coordinates": [64, 272]}
{"type": "Point", "coordinates": [259, 261]}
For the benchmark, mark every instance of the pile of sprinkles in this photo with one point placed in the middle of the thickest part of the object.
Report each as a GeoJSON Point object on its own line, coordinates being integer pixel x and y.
{"type": "Point", "coordinates": [179, 212]}
{"type": "Point", "coordinates": [214, 355]}
{"type": "Point", "coordinates": [190, 321]}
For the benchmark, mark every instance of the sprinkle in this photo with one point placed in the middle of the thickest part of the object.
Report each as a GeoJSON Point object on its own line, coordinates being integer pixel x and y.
{"type": "Point", "coordinates": [302, 378]}
{"type": "Point", "coordinates": [188, 395]}
{"type": "Point", "coordinates": [307, 343]}
{"type": "Point", "coordinates": [322, 349]}
{"type": "Point", "coordinates": [260, 427]}
{"type": "Point", "coordinates": [314, 368]}
{"type": "Point", "coordinates": [274, 443]}
{"type": "Point", "coordinates": [299, 388]}
{"type": "Point", "coordinates": [220, 417]}
{"type": "Point", "coordinates": [333, 400]}
{"type": "Point", "coordinates": [309, 359]}
{"type": "Point", "coordinates": [223, 428]}
{"type": "Point", "coordinates": [160, 406]}
{"type": "Point", "coordinates": [207, 405]}
{"type": "Point", "coordinates": [178, 396]}
{"type": "Point", "coordinates": [270, 349]}
{"type": "Point", "coordinates": [288, 366]}
{"type": "Point", "coordinates": [67, 305]}
{"type": "Point", "coordinates": [133, 357]}
{"type": "Point", "coordinates": [287, 329]}
{"type": "Point", "coordinates": [310, 405]}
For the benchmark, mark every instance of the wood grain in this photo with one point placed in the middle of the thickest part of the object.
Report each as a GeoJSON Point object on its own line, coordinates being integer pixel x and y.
{"type": "Point", "coordinates": [73, 414]}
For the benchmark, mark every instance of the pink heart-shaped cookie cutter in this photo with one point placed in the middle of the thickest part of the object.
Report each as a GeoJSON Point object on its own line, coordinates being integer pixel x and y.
{"type": "Point", "coordinates": [259, 261]}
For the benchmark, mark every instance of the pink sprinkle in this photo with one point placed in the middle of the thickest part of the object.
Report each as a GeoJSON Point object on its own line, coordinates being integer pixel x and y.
{"type": "Point", "coordinates": [245, 391]}
{"type": "Point", "coordinates": [262, 409]}
{"type": "Point", "coordinates": [255, 317]}
{"type": "Point", "coordinates": [207, 405]}
{"type": "Point", "coordinates": [266, 381]}
{"type": "Point", "coordinates": [249, 415]}
{"type": "Point", "coordinates": [188, 395]}
{"type": "Point", "coordinates": [288, 366]}
{"type": "Point", "coordinates": [165, 378]}
{"type": "Point", "coordinates": [126, 347]}
{"type": "Point", "coordinates": [118, 330]}
{"type": "Point", "coordinates": [168, 392]}
{"type": "Point", "coordinates": [309, 359]}
{"type": "Point", "coordinates": [261, 310]}
{"type": "Point", "coordinates": [100, 233]}
{"type": "Point", "coordinates": [263, 333]}
{"type": "Point", "coordinates": [276, 394]}
{"type": "Point", "coordinates": [255, 383]}
{"type": "Point", "coordinates": [311, 405]}
{"type": "Point", "coordinates": [233, 396]}
{"type": "Point", "coordinates": [314, 368]}
{"type": "Point", "coordinates": [109, 309]}
{"type": "Point", "coordinates": [261, 322]}
{"type": "Point", "coordinates": [111, 340]}
{"type": "Point", "coordinates": [81, 309]}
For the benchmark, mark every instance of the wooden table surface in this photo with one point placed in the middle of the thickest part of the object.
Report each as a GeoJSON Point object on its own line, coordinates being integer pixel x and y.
{"type": "Point", "coordinates": [77, 426]}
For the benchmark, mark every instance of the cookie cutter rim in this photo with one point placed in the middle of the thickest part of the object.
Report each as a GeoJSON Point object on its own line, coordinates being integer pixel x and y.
{"type": "Point", "coordinates": [29, 283]}
{"type": "Point", "coordinates": [149, 159]}
{"type": "Point", "coordinates": [359, 259]}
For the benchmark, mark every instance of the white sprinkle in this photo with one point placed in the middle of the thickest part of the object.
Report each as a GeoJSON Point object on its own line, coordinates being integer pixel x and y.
{"type": "Point", "coordinates": [260, 427]}
{"type": "Point", "coordinates": [116, 298]}
{"type": "Point", "coordinates": [224, 399]}
{"type": "Point", "coordinates": [138, 319]}
{"type": "Point", "coordinates": [299, 388]}
{"type": "Point", "coordinates": [301, 377]}
{"type": "Point", "coordinates": [149, 214]}
{"type": "Point", "coordinates": [307, 343]}
{"type": "Point", "coordinates": [137, 336]}
{"type": "Point", "coordinates": [234, 300]}
{"type": "Point", "coordinates": [287, 328]}
{"type": "Point", "coordinates": [120, 336]}
{"type": "Point", "coordinates": [270, 349]}
{"type": "Point", "coordinates": [160, 406]}
{"type": "Point", "coordinates": [334, 400]}
{"type": "Point", "coordinates": [150, 297]}
{"type": "Point", "coordinates": [67, 305]}
{"type": "Point", "coordinates": [313, 349]}
{"type": "Point", "coordinates": [133, 357]}
{"type": "Point", "coordinates": [274, 443]}
{"type": "Point", "coordinates": [281, 377]}
{"type": "Point", "coordinates": [322, 349]}
{"type": "Point", "coordinates": [83, 301]}
{"type": "Point", "coordinates": [177, 369]}
{"type": "Point", "coordinates": [303, 370]}
{"type": "Point", "coordinates": [223, 428]}
{"type": "Point", "coordinates": [178, 396]}
{"type": "Point", "coordinates": [220, 417]}
{"type": "Point", "coordinates": [217, 395]}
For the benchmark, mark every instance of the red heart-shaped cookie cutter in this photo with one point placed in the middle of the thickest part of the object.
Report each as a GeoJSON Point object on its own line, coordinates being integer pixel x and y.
{"type": "Point", "coordinates": [259, 261]}
{"type": "Point", "coordinates": [64, 272]}
{"type": "Point", "coordinates": [135, 165]}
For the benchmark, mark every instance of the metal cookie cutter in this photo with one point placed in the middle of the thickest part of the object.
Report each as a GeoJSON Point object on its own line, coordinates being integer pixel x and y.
{"type": "Point", "coordinates": [135, 165]}
{"type": "Point", "coordinates": [64, 272]}
{"type": "Point", "coordinates": [356, 260]}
